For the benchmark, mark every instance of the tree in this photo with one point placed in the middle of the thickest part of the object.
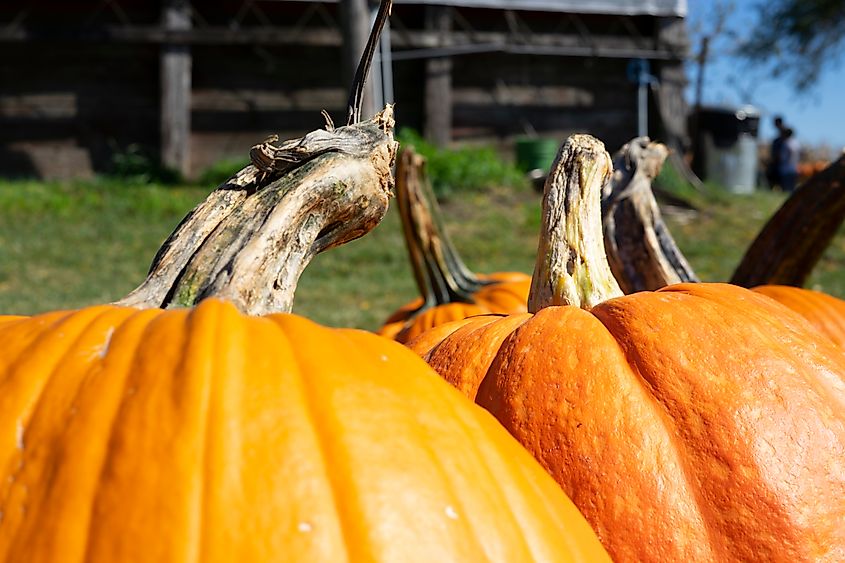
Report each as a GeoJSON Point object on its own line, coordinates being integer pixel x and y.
{"type": "Point", "coordinates": [797, 39]}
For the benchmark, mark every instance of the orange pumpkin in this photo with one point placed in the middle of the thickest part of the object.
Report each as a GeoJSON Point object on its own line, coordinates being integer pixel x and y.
{"type": "Point", "coordinates": [701, 422]}
{"type": "Point", "coordinates": [450, 290]}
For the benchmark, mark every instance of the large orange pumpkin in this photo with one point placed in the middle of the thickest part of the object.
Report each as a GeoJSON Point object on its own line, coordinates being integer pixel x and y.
{"type": "Point", "coordinates": [450, 290]}
{"type": "Point", "coordinates": [702, 422]}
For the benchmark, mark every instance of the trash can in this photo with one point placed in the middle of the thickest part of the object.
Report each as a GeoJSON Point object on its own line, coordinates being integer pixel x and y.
{"type": "Point", "coordinates": [536, 154]}
{"type": "Point", "coordinates": [727, 147]}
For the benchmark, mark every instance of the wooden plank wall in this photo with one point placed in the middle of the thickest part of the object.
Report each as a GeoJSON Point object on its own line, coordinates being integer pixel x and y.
{"type": "Point", "coordinates": [67, 108]}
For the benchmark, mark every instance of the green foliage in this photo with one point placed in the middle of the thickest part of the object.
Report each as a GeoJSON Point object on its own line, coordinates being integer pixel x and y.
{"type": "Point", "coordinates": [221, 171]}
{"type": "Point", "coordinates": [135, 165]}
{"type": "Point", "coordinates": [65, 245]}
{"type": "Point", "coordinates": [797, 38]}
{"type": "Point", "coordinates": [671, 181]}
{"type": "Point", "coordinates": [464, 169]}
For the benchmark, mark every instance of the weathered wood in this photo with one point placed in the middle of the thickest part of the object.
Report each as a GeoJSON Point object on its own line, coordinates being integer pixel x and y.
{"type": "Point", "coordinates": [571, 267]}
{"type": "Point", "coordinates": [176, 90]}
{"type": "Point", "coordinates": [641, 251]}
{"type": "Point", "coordinates": [438, 81]}
{"type": "Point", "coordinates": [790, 244]}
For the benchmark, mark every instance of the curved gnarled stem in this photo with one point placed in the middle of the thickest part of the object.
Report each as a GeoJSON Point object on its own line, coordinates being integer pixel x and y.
{"type": "Point", "coordinates": [250, 240]}
{"type": "Point", "coordinates": [641, 251]}
{"type": "Point", "coordinates": [253, 252]}
{"type": "Point", "coordinates": [790, 244]}
{"type": "Point", "coordinates": [572, 267]}
{"type": "Point", "coordinates": [440, 273]}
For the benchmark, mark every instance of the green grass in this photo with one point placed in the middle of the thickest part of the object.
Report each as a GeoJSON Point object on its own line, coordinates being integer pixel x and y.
{"type": "Point", "coordinates": [70, 245]}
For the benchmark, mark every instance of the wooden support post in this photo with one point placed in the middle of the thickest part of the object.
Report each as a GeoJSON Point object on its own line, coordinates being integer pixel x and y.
{"type": "Point", "coordinates": [355, 19]}
{"type": "Point", "coordinates": [438, 82]}
{"type": "Point", "coordinates": [175, 63]}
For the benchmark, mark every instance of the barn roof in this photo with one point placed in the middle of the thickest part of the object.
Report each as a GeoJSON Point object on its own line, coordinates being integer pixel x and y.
{"type": "Point", "coordinates": [618, 7]}
{"type": "Point", "coordinates": [623, 7]}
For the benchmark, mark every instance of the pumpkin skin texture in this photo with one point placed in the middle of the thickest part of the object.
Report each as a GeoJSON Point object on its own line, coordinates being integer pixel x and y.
{"type": "Point", "coordinates": [207, 435]}
{"type": "Point", "coordinates": [700, 422]}
{"type": "Point", "coordinates": [825, 312]}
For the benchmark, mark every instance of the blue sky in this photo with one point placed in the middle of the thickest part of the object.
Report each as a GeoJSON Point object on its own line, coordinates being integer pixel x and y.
{"type": "Point", "coordinates": [818, 115]}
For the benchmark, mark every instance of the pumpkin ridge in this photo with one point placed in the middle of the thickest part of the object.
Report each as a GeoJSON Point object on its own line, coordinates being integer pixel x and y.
{"type": "Point", "coordinates": [122, 336]}
{"type": "Point", "coordinates": [154, 388]}
{"type": "Point", "coordinates": [221, 328]}
{"type": "Point", "coordinates": [201, 331]}
{"type": "Point", "coordinates": [362, 340]}
{"type": "Point", "coordinates": [23, 358]}
{"type": "Point", "coordinates": [680, 448]}
{"type": "Point", "coordinates": [42, 421]}
{"type": "Point", "coordinates": [310, 401]}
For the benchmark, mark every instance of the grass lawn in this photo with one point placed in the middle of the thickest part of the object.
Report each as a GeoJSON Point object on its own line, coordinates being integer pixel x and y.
{"type": "Point", "coordinates": [65, 246]}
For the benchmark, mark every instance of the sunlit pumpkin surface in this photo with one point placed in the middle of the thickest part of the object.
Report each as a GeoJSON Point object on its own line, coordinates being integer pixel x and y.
{"type": "Point", "coordinates": [206, 435]}
{"type": "Point", "coordinates": [702, 422]}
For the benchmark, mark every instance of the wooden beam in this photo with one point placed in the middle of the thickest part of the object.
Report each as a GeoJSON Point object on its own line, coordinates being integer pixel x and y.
{"type": "Point", "coordinates": [438, 81]}
{"type": "Point", "coordinates": [176, 90]}
{"type": "Point", "coordinates": [424, 43]}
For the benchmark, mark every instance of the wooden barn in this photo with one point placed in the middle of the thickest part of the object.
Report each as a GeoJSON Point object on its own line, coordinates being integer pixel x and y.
{"type": "Point", "coordinates": [191, 82]}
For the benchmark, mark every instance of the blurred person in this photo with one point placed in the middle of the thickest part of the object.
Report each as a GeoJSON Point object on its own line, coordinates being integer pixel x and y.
{"type": "Point", "coordinates": [773, 169]}
{"type": "Point", "coordinates": [788, 161]}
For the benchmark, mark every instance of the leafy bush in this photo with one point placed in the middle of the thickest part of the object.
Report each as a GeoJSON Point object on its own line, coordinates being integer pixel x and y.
{"type": "Point", "coordinates": [135, 165]}
{"type": "Point", "coordinates": [464, 169]}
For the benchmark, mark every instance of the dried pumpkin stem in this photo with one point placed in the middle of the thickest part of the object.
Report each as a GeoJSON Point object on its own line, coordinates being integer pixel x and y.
{"type": "Point", "coordinates": [641, 251]}
{"type": "Point", "coordinates": [790, 244]}
{"type": "Point", "coordinates": [440, 274]}
{"type": "Point", "coordinates": [571, 266]}
{"type": "Point", "coordinates": [250, 245]}
{"type": "Point", "coordinates": [356, 95]}
{"type": "Point", "coordinates": [251, 239]}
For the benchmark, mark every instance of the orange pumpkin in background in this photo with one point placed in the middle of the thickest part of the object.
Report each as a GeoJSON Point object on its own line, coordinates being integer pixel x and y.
{"type": "Point", "coordinates": [450, 290]}
{"type": "Point", "coordinates": [825, 312]}
{"type": "Point", "coordinates": [701, 422]}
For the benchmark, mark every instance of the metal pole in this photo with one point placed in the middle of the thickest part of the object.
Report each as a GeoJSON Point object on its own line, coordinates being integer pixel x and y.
{"type": "Point", "coordinates": [642, 113]}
